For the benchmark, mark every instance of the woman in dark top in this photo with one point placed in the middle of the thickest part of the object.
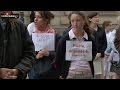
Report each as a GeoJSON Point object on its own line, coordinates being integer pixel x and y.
{"type": "Point", "coordinates": [77, 33]}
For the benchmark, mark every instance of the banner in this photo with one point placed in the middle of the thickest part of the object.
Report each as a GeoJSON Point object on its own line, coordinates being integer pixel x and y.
{"type": "Point", "coordinates": [79, 50]}
{"type": "Point", "coordinates": [44, 40]}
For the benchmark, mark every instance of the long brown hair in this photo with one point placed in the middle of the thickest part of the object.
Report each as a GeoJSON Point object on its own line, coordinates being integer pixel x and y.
{"type": "Point", "coordinates": [46, 15]}
{"type": "Point", "coordinates": [81, 13]}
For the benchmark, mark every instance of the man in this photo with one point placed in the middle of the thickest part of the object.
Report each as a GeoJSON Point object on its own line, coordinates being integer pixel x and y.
{"type": "Point", "coordinates": [100, 40]}
{"type": "Point", "coordinates": [16, 49]}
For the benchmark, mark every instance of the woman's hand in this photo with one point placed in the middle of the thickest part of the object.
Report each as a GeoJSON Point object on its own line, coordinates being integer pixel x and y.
{"type": "Point", "coordinates": [41, 53]}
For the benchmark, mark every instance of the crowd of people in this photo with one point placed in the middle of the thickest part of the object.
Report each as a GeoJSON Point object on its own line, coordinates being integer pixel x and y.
{"type": "Point", "coordinates": [39, 52]}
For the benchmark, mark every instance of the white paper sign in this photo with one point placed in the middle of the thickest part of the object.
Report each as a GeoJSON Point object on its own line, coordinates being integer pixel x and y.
{"type": "Point", "coordinates": [79, 50]}
{"type": "Point", "coordinates": [44, 40]}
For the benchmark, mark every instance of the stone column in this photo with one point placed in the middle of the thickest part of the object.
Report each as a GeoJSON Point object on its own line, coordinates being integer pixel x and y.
{"type": "Point", "coordinates": [26, 17]}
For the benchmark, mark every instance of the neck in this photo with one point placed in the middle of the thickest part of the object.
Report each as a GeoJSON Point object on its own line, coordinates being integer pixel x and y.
{"type": "Point", "coordinates": [107, 31]}
{"type": "Point", "coordinates": [42, 28]}
{"type": "Point", "coordinates": [93, 26]}
{"type": "Point", "coordinates": [78, 33]}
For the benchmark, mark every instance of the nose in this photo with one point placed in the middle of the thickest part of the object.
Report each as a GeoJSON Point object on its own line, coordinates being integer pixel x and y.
{"type": "Point", "coordinates": [74, 23]}
{"type": "Point", "coordinates": [98, 18]}
{"type": "Point", "coordinates": [35, 19]}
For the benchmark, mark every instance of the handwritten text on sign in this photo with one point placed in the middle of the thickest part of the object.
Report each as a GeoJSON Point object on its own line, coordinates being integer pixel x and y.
{"type": "Point", "coordinates": [44, 40]}
{"type": "Point", "coordinates": [78, 50]}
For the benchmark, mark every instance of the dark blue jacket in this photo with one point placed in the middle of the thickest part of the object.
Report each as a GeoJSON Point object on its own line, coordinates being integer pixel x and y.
{"type": "Point", "coordinates": [62, 65]}
{"type": "Point", "coordinates": [100, 40]}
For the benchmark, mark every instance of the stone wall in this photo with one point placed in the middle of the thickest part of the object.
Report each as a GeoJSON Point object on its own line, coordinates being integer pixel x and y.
{"type": "Point", "coordinates": [61, 22]}
{"type": "Point", "coordinates": [61, 18]}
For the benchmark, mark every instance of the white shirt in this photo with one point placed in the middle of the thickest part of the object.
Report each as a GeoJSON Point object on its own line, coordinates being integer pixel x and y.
{"type": "Point", "coordinates": [72, 35]}
{"type": "Point", "coordinates": [31, 27]}
{"type": "Point", "coordinates": [79, 65]}
{"type": "Point", "coordinates": [112, 36]}
{"type": "Point", "coordinates": [108, 35]}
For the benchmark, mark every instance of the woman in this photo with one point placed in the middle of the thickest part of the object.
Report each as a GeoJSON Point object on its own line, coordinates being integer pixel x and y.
{"type": "Point", "coordinates": [115, 63]}
{"type": "Point", "coordinates": [69, 69]}
{"type": "Point", "coordinates": [107, 25]}
{"type": "Point", "coordinates": [42, 25]}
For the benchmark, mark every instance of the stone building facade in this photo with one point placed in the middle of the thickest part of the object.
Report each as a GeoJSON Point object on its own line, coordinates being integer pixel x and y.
{"type": "Point", "coordinates": [60, 22]}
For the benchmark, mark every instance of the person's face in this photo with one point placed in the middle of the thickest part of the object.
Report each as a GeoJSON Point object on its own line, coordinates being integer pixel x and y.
{"type": "Point", "coordinates": [39, 21]}
{"type": "Point", "coordinates": [77, 21]}
{"type": "Point", "coordinates": [94, 19]}
{"type": "Point", "coordinates": [118, 24]}
{"type": "Point", "coordinates": [109, 27]}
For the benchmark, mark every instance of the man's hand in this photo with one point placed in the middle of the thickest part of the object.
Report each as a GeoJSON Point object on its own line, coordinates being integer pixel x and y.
{"type": "Point", "coordinates": [6, 73]}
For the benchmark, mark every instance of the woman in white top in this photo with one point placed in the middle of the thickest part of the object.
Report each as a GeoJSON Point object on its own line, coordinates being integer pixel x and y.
{"type": "Point", "coordinates": [43, 68]}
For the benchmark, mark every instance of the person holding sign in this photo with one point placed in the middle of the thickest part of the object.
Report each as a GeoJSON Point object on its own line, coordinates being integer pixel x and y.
{"type": "Point", "coordinates": [45, 40]}
{"type": "Point", "coordinates": [76, 50]}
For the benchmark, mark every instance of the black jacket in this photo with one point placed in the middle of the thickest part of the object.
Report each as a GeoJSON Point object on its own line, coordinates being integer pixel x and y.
{"type": "Point", "coordinates": [66, 30]}
{"type": "Point", "coordinates": [44, 68]}
{"type": "Point", "coordinates": [16, 47]}
{"type": "Point", "coordinates": [62, 65]}
{"type": "Point", "coordinates": [100, 40]}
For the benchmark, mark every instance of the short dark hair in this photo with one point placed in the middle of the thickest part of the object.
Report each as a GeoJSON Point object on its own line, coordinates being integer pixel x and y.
{"type": "Point", "coordinates": [92, 14]}
{"type": "Point", "coordinates": [106, 23]}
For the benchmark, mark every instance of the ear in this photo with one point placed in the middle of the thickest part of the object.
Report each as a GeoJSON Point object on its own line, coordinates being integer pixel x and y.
{"type": "Point", "coordinates": [90, 19]}
{"type": "Point", "coordinates": [46, 21]}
